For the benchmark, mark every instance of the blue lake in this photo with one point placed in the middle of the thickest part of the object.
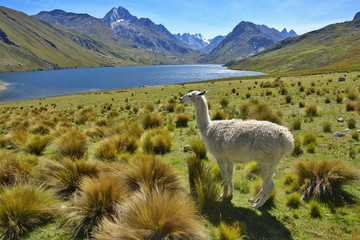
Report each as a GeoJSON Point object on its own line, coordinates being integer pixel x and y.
{"type": "Point", "coordinates": [41, 84]}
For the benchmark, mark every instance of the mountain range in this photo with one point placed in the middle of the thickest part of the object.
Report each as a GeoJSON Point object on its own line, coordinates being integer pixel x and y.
{"type": "Point", "coordinates": [334, 47]}
{"type": "Point", "coordinates": [246, 39]}
{"type": "Point", "coordinates": [59, 39]}
{"type": "Point", "coordinates": [198, 42]}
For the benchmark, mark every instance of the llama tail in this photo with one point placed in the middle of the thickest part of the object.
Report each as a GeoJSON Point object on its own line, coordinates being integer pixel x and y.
{"type": "Point", "coordinates": [288, 143]}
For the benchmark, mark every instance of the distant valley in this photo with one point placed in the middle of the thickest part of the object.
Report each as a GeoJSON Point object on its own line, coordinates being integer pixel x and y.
{"type": "Point", "coordinates": [58, 39]}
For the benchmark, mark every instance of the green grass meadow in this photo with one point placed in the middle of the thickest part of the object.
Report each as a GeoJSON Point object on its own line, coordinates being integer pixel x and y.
{"type": "Point", "coordinates": [116, 129]}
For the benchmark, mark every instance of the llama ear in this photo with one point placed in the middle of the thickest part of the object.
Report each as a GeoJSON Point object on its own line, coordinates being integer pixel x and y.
{"type": "Point", "coordinates": [202, 93]}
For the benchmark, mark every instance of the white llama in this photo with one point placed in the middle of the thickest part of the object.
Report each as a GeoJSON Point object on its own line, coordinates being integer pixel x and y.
{"type": "Point", "coordinates": [236, 141]}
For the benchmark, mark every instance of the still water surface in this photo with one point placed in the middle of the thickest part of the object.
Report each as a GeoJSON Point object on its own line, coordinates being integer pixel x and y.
{"type": "Point", "coordinates": [41, 84]}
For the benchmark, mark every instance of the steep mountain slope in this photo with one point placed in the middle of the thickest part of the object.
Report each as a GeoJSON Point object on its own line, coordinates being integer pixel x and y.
{"type": "Point", "coordinates": [29, 44]}
{"type": "Point", "coordinates": [246, 39]}
{"type": "Point", "coordinates": [213, 43]}
{"type": "Point", "coordinates": [85, 23]}
{"type": "Point", "coordinates": [148, 35]}
{"type": "Point", "coordinates": [336, 46]}
{"type": "Point", "coordinates": [194, 41]}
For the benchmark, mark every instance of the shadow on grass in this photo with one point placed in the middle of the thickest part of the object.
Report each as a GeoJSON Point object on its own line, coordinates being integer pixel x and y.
{"type": "Point", "coordinates": [259, 225]}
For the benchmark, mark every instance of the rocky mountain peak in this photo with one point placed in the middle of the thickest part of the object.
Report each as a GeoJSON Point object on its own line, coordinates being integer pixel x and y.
{"type": "Point", "coordinates": [357, 16]}
{"type": "Point", "coordinates": [284, 31]}
{"type": "Point", "coordinates": [118, 15]}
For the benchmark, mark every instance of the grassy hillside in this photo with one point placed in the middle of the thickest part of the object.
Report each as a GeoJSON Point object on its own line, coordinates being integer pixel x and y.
{"type": "Point", "coordinates": [335, 47]}
{"type": "Point", "coordinates": [309, 106]}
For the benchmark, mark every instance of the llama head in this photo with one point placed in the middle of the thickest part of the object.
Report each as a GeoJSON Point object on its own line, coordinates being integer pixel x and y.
{"type": "Point", "coordinates": [192, 96]}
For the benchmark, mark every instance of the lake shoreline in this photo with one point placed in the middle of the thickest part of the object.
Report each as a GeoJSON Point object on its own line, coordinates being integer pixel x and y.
{"type": "Point", "coordinates": [43, 84]}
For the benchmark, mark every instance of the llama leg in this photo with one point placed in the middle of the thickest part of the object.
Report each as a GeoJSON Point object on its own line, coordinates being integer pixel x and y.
{"type": "Point", "coordinates": [268, 188]}
{"type": "Point", "coordinates": [223, 170]}
{"type": "Point", "coordinates": [230, 173]}
{"type": "Point", "coordinates": [258, 195]}
{"type": "Point", "coordinates": [261, 192]}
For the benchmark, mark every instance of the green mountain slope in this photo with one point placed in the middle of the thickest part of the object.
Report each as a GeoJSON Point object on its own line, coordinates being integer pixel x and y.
{"type": "Point", "coordinates": [334, 47]}
{"type": "Point", "coordinates": [28, 44]}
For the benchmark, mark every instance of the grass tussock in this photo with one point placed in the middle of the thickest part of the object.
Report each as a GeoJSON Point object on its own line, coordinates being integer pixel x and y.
{"type": "Point", "coordinates": [235, 231]}
{"type": "Point", "coordinates": [181, 120]}
{"type": "Point", "coordinates": [72, 144]}
{"type": "Point", "coordinates": [294, 200]}
{"type": "Point", "coordinates": [311, 111]}
{"type": "Point", "coordinates": [154, 214]}
{"type": "Point", "coordinates": [218, 115]}
{"type": "Point", "coordinates": [199, 148]}
{"type": "Point", "coordinates": [130, 129]}
{"type": "Point", "coordinates": [151, 120]}
{"type": "Point", "coordinates": [96, 199]}
{"type": "Point", "coordinates": [36, 144]}
{"type": "Point", "coordinates": [106, 150]}
{"type": "Point", "coordinates": [65, 175]}
{"type": "Point", "coordinates": [204, 184]}
{"type": "Point", "coordinates": [263, 112]}
{"type": "Point", "coordinates": [12, 169]}
{"type": "Point", "coordinates": [24, 207]}
{"type": "Point", "coordinates": [17, 138]}
{"type": "Point", "coordinates": [149, 172]}
{"type": "Point", "coordinates": [157, 141]}
{"type": "Point", "coordinates": [323, 179]}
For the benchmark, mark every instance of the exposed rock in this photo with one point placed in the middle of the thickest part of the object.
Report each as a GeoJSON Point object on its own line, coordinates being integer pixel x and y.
{"type": "Point", "coordinates": [339, 134]}
{"type": "Point", "coordinates": [187, 148]}
{"type": "Point", "coordinates": [341, 79]}
{"type": "Point", "coordinates": [340, 120]}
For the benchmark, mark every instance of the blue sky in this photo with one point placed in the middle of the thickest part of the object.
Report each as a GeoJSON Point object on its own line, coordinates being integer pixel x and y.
{"type": "Point", "coordinates": [210, 17]}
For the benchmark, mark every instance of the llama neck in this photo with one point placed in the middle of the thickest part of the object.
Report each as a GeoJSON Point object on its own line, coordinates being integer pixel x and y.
{"type": "Point", "coordinates": [202, 114]}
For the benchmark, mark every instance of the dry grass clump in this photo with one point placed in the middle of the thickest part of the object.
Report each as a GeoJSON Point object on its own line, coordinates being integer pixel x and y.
{"type": "Point", "coordinates": [131, 129]}
{"type": "Point", "coordinates": [84, 115]}
{"type": "Point", "coordinates": [149, 172]}
{"type": "Point", "coordinates": [218, 115]}
{"type": "Point", "coordinates": [311, 111]}
{"type": "Point", "coordinates": [106, 150]}
{"type": "Point", "coordinates": [296, 124]}
{"type": "Point", "coordinates": [36, 144]}
{"type": "Point", "coordinates": [327, 127]}
{"type": "Point", "coordinates": [203, 183]}
{"type": "Point", "coordinates": [40, 128]}
{"type": "Point", "coordinates": [322, 179]}
{"type": "Point", "coordinates": [181, 120]}
{"type": "Point", "coordinates": [17, 138]}
{"type": "Point", "coordinates": [24, 207]}
{"type": "Point", "coordinates": [351, 123]}
{"type": "Point", "coordinates": [64, 176]}
{"type": "Point", "coordinates": [72, 144]}
{"type": "Point", "coordinates": [151, 120]}
{"type": "Point", "coordinates": [157, 141]}
{"type": "Point", "coordinates": [224, 102]}
{"type": "Point", "coordinates": [352, 95]}
{"type": "Point", "coordinates": [96, 199]}
{"type": "Point", "coordinates": [199, 148]}
{"type": "Point", "coordinates": [263, 112]}
{"type": "Point", "coordinates": [12, 169]}
{"type": "Point", "coordinates": [236, 231]}
{"type": "Point", "coordinates": [155, 214]}
{"type": "Point", "coordinates": [3, 142]}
